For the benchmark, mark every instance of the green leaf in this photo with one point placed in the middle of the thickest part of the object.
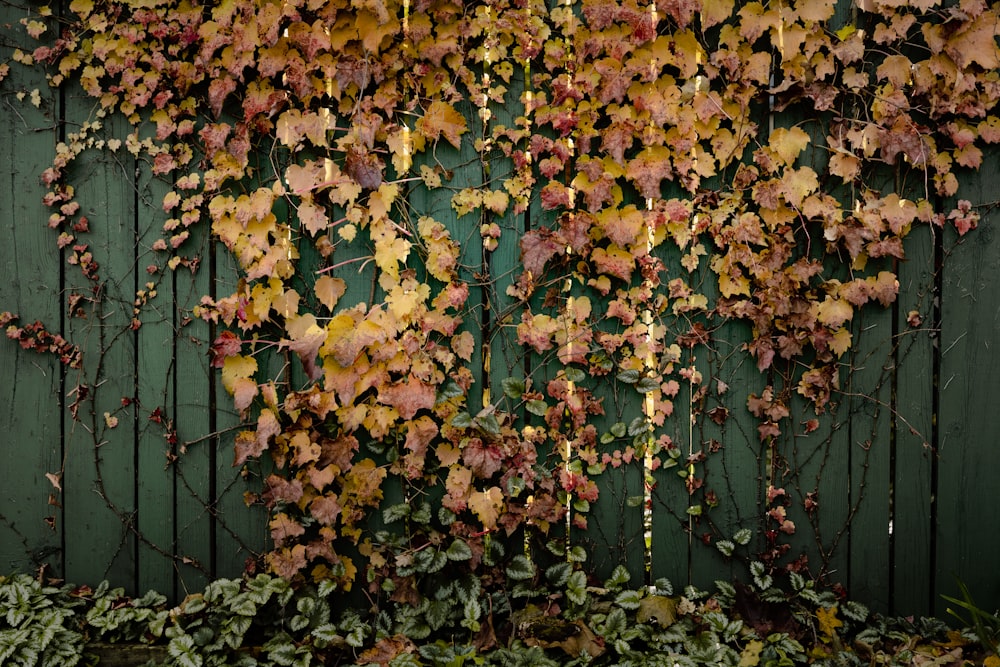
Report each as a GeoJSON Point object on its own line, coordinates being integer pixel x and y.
{"type": "Point", "coordinates": [646, 385]}
{"type": "Point", "coordinates": [451, 389]}
{"type": "Point", "coordinates": [462, 420]}
{"type": "Point", "coordinates": [558, 574]}
{"type": "Point", "coordinates": [615, 624]}
{"type": "Point", "coordinates": [576, 587]}
{"type": "Point", "coordinates": [725, 547]}
{"type": "Point", "coordinates": [577, 554]}
{"type": "Point", "coordinates": [513, 388]}
{"type": "Point", "coordinates": [472, 610]}
{"type": "Point", "coordinates": [619, 577]}
{"type": "Point", "coordinates": [742, 536]}
{"type": "Point", "coordinates": [637, 426]}
{"type": "Point", "coordinates": [618, 429]}
{"type": "Point", "coordinates": [575, 375]}
{"type": "Point", "coordinates": [437, 613]}
{"type": "Point", "coordinates": [520, 568]}
{"type": "Point", "coordinates": [395, 513]}
{"type": "Point", "coordinates": [537, 407]}
{"type": "Point", "coordinates": [446, 516]}
{"type": "Point", "coordinates": [488, 424]}
{"type": "Point", "coordinates": [458, 551]}
{"type": "Point", "coordinates": [629, 376]}
{"type": "Point", "coordinates": [422, 514]}
{"type": "Point", "coordinates": [628, 599]}
{"type": "Point", "coordinates": [325, 633]}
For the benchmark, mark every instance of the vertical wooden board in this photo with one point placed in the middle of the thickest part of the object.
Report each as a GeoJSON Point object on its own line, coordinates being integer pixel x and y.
{"type": "Point", "coordinates": [31, 412]}
{"type": "Point", "coordinates": [241, 532]}
{"type": "Point", "coordinates": [870, 440]}
{"type": "Point", "coordinates": [100, 481]}
{"type": "Point", "coordinates": [912, 493]}
{"type": "Point", "coordinates": [194, 530]}
{"type": "Point", "coordinates": [734, 469]}
{"type": "Point", "coordinates": [968, 525]}
{"type": "Point", "coordinates": [156, 501]}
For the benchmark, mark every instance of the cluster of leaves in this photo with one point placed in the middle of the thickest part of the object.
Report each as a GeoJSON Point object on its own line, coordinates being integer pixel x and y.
{"type": "Point", "coordinates": [655, 200]}
{"type": "Point", "coordinates": [552, 617]}
{"type": "Point", "coordinates": [37, 338]}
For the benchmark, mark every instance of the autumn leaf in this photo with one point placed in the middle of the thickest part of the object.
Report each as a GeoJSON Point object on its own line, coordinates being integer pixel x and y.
{"type": "Point", "coordinates": [538, 246]}
{"type": "Point", "coordinates": [329, 290]}
{"type": "Point", "coordinates": [828, 621]}
{"type": "Point", "coordinates": [442, 120]}
{"type": "Point", "coordinates": [788, 143]}
{"type": "Point", "coordinates": [408, 396]}
{"type": "Point", "coordinates": [833, 312]}
{"type": "Point", "coordinates": [237, 367]}
{"type": "Point", "coordinates": [284, 527]}
{"type": "Point", "coordinates": [487, 505]}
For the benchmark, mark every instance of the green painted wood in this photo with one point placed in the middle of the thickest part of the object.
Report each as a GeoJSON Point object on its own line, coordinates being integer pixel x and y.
{"type": "Point", "coordinates": [100, 504]}
{"type": "Point", "coordinates": [155, 391]}
{"type": "Point", "coordinates": [870, 455]}
{"type": "Point", "coordinates": [30, 396]}
{"type": "Point", "coordinates": [967, 533]}
{"type": "Point", "coordinates": [241, 532]}
{"type": "Point", "coordinates": [913, 452]}
{"type": "Point", "coordinates": [735, 464]}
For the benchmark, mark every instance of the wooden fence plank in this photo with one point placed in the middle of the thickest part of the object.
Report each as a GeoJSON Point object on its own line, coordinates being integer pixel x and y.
{"type": "Point", "coordinates": [869, 455]}
{"type": "Point", "coordinates": [967, 523]}
{"type": "Point", "coordinates": [100, 481]}
{"type": "Point", "coordinates": [913, 451]}
{"type": "Point", "coordinates": [155, 391]}
{"type": "Point", "coordinates": [31, 395]}
{"type": "Point", "coordinates": [195, 530]}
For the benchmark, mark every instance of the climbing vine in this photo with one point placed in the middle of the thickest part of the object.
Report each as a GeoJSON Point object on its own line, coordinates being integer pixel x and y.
{"type": "Point", "coordinates": [369, 163]}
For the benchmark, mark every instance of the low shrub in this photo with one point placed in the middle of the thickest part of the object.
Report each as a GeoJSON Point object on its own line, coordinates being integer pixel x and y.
{"type": "Point", "coordinates": [551, 617]}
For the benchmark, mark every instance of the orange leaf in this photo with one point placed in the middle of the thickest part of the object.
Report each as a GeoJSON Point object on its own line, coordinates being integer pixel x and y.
{"type": "Point", "coordinates": [441, 119]}
{"type": "Point", "coordinates": [329, 290]}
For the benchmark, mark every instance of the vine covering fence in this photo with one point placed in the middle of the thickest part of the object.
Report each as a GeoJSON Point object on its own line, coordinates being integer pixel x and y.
{"type": "Point", "coordinates": [119, 450]}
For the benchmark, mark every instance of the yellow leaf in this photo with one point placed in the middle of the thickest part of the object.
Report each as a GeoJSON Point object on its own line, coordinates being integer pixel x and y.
{"type": "Point", "coordinates": [347, 231]}
{"type": "Point", "coordinates": [464, 344]}
{"type": "Point", "coordinates": [828, 621]}
{"type": "Point", "coordinates": [797, 184]}
{"type": "Point", "coordinates": [82, 8]}
{"type": "Point", "coordinates": [486, 505]}
{"type": "Point", "coordinates": [390, 251]}
{"type": "Point", "coordinates": [404, 299]}
{"type": "Point", "coordinates": [496, 201]}
{"type": "Point", "coordinates": [237, 367]}
{"type": "Point", "coordinates": [730, 285]}
{"type": "Point", "coordinates": [841, 341]}
{"type": "Point", "coordinates": [834, 312]}
{"type": "Point", "coordinates": [714, 12]}
{"type": "Point", "coordinates": [750, 656]}
{"type": "Point", "coordinates": [788, 142]}
{"type": "Point", "coordinates": [815, 10]}
{"type": "Point", "coordinates": [992, 661]}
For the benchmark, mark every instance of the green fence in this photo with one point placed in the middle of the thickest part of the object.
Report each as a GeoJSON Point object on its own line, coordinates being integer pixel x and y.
{"type": "Point", "coordinates": [123, 469]}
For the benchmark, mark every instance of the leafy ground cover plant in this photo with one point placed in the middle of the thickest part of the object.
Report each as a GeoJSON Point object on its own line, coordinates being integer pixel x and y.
{"type": "Point", "coordinates": [552, 616]}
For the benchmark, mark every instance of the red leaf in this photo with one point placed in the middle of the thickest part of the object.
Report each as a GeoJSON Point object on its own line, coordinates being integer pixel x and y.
{"type": "Point", "coordinates": [537, 247]}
